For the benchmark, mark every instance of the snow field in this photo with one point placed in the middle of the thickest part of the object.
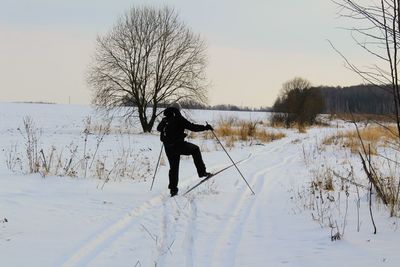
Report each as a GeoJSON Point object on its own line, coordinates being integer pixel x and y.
{"type": "Point", "coordinates": [60, 221]}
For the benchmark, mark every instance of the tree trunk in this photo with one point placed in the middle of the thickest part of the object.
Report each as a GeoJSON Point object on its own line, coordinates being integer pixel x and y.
{"type": "Point", "coordinates": [147, 126]}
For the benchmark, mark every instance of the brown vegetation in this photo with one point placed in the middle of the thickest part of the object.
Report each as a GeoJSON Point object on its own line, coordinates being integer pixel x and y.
{"type": "Point", "coordinates": [364, 117]}
{"type": "Point", "coordinates": [372, 136]}
{"type": "Point", "coordinates": [232, 130]}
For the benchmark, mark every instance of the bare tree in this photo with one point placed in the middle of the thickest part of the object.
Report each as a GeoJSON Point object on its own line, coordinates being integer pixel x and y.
{"type": "Point", "coordinates": [376, 30]}
{"type": "Point", "coordinates": [149, 58]}
{"type": "Point", "coordinates": [296, 83]}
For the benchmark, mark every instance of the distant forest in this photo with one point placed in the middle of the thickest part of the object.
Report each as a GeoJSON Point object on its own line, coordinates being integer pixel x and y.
{"type": "Point", "coordinates": [362, 99]}
{"type": "Point", "coordinates": [197, 105]}
{"type": "Point", "coordinates": [359, 99]}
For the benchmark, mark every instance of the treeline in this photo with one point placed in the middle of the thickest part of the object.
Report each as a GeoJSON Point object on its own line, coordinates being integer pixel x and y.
{"type": "Point", "coordinates": [197, 105]}
{"type": "Point", "coordinates": [229, 107]}
{"type": "Point", "coordinates": [362, 99]}
{"type": "Point", "coordinates": [299, 102]}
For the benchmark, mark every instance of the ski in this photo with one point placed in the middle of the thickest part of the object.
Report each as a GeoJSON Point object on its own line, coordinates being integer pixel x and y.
{"type": "Point", "coordinates": [213, 174]}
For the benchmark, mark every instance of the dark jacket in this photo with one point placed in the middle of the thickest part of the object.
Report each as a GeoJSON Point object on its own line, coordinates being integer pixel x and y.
{"type": "Point", "coordinates": [173, 125]}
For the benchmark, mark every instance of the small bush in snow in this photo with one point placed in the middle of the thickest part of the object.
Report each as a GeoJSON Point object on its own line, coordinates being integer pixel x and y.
{"type": "Point", "coordinates": [73, 161]}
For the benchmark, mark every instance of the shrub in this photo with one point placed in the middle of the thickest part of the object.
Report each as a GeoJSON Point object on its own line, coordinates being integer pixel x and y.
{"type": "Point", "coordinates": [298, 104]}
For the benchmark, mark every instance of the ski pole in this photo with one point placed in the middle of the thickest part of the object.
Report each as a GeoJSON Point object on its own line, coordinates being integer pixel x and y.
{"type": "Point", "coordinates": [158, 163]}
{"type": "Point", "coordinates": [232, 161]}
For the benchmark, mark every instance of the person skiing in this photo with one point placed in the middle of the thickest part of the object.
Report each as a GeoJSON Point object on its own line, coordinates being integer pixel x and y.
{"type": "Point", "coordinates": [171, 129]}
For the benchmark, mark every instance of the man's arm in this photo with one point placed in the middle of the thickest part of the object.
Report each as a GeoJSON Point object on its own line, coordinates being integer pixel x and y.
{"type": "Point", "coordinates": [194, 127]}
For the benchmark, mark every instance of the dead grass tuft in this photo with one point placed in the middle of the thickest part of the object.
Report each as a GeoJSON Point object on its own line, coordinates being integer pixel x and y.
{"type": "Point", "coordinates": [232, 130]}
{"type": "Point", "coordinates": [265, 136]}
{"type": "Point", "coordinates": [372, 137]}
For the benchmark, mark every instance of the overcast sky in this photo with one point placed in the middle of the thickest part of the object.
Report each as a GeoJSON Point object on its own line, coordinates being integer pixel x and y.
{"type": "Point", "coordinates": [253, 46]}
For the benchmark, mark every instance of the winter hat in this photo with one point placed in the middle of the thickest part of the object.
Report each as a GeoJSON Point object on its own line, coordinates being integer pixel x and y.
{"type": "Point", "coordinates": [176, 105]}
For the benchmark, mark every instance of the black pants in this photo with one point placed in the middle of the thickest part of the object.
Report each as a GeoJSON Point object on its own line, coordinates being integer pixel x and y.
{"type": "Point", "coordinates": [174, 153]}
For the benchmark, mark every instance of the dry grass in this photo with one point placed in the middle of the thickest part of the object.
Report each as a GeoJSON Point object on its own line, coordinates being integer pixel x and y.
{"type": "Point", "coordinates": [372, 137]}
{"type": "Point", "coordinates": [233, 130]}
{"type": "Point", "coordinates": [230, 141]}
{"type": "Point", "coordinates": [301, 128]}
{"type": "Point", "coordinates": [364, 117]}
{"type": "Point", "coordinates": [277, 124]}
{"type": "Point", "coordinates": [281, 124]}
{"type": "Point", "coordinates": [265, 136]}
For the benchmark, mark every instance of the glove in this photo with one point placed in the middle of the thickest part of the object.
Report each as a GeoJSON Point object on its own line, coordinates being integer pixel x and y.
{"type": "Point", "coordinates": [209, 127]}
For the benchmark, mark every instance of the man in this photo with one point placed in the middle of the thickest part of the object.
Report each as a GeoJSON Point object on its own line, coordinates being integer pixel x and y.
{"type": "Point", "coordinates": [172, 128]}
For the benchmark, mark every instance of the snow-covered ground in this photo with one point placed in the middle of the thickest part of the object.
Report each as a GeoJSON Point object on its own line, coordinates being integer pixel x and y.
{"type": "Point", "coordinates": [77, 221]}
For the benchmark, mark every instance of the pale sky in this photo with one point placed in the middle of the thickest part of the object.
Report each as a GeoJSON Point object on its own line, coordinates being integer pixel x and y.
{"type": "Point", "coordinates": [254, 46]}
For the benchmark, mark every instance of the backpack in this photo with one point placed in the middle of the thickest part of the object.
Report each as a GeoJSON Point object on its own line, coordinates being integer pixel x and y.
{"type": "Point", "coordinates": [169, 131]}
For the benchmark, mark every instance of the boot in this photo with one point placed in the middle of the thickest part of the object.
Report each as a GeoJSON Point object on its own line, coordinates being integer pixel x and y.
{"type": "Point", "coordinates": [205, 174]}
{"type": "Point", "coordinates": [173, 192]}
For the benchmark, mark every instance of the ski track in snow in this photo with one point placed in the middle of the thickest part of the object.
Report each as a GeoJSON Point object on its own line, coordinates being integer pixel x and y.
{"type": "Point", "coordinates": [225, 248]}
{"type": "Point", "coordinates": [171, 216]}
{"type": "Point", "coordinates": [102, 240]}
{"type": "Point", "coordinates": [92, 248]}
{"type": "Point", "coordinates": [190, 234]}
{"type": "Point", "coordinates": [177, 229]}
{"type": "Point", "coordinates": [180, 215]}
